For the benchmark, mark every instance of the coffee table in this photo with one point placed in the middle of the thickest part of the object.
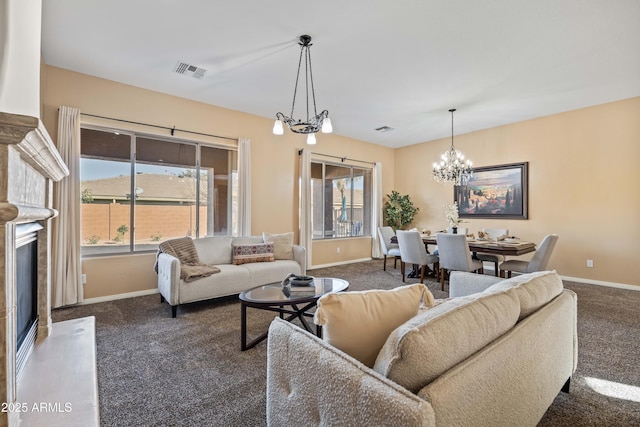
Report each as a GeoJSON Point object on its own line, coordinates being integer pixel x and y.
{"type": "Point", "coordinates": [292, 304]}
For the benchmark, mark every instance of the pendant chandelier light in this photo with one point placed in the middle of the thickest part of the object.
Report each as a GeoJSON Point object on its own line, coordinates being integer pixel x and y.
{"type": "Point", "coordinates": [452, 169]}
{"type": "Point", "coordinates": [311, 125]}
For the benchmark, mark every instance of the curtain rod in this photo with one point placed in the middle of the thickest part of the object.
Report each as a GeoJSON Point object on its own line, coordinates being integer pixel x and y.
{"type": "Point", "coordinates": [172, 129]}
{"type": "Point", "coordinates": [342, 159]}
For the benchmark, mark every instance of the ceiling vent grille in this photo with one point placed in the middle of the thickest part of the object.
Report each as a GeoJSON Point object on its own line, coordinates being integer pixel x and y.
{"type": "Point", "coordinates": [189, 70]}
{"type": "Point", "coordinates": [384, 129]}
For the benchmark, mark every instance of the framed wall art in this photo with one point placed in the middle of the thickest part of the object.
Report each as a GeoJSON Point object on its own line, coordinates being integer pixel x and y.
{"type": "Point", "coordinates": [494, 192]}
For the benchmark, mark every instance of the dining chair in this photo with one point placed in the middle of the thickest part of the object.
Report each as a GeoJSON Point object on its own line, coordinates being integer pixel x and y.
{"type": "Point", "coordinates": [538, 262]}
{"type": "Point", "coordinates": [388, 249]}
{"type": "Point", "coordinates": [413, 251]}
{"type": "Point", "coordinates": [454, 254]}
{"type": "Point", "coordinates": [494, 233]}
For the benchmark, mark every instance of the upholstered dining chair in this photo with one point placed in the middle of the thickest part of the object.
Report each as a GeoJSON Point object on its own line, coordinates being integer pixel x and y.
{"type": "Point", "coordinates": [388, 249]}
{"type": "Point", "coordinates": [538, 262]}
{"type": "Point", "coordinates": [494, 233]}
{"type": "Point", "coordinates": [413, 251]}
{"type": "Point", "coordinates": [454, 254]}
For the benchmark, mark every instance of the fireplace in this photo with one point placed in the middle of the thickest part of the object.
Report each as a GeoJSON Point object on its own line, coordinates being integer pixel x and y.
{"type": "Point", "coordinates": [29, 164]}
{"type": "Point", "coordinates": [26, 292]}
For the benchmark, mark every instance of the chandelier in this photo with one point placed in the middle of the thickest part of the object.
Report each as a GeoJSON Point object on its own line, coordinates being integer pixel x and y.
{"type": "Point", "coordinates": [311, 125]}
{"type": "Point", "coordinates": [452, 169]}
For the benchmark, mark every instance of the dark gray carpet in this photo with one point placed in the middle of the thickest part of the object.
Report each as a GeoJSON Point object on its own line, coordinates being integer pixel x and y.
{"type": "Point", "coordinates": [157, 371]}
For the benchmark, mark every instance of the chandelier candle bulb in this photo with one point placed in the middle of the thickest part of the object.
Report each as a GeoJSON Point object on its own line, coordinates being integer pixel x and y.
{"type": "Point", "coordinates": [326, 126]}
{"type": "Point", "coordinates": [278, 128]}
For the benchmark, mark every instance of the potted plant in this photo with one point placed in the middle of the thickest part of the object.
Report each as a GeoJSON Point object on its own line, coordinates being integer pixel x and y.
{"type": "Point", "coordinates": [399, 210]}
{"type": "Point", "coordinates": [451, 212]}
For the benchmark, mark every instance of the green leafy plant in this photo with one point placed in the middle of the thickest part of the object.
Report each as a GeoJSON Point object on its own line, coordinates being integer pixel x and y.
{"type": "Point", "coordinates": [399, 210]}
{"type": "Point", "coordinates": [86, 196]}
{"type": "Point", "coordinates": [156, 237]}
{"type": "Point", "coordinates": [121, 231]}
{"type": "Point", "coordinates": [92, 240]}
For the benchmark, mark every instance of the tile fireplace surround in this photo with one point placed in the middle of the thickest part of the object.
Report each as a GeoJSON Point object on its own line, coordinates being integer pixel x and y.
{"type": "Point", "coordinates": [29, 164]}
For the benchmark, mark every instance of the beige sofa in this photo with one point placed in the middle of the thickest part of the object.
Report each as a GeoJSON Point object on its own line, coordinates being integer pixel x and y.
{"type": "Point", "coordinates": [497, 357]}
{"type": "Point", "coordinates": [232, 279]}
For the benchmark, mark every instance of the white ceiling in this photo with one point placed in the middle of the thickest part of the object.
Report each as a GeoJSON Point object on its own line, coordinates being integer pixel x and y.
{"type": "Point", "coordinates": [376, 63]}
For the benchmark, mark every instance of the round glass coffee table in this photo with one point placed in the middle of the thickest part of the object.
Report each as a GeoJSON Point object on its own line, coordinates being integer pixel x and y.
{"type": "Point", "coordinates": [289, 302]}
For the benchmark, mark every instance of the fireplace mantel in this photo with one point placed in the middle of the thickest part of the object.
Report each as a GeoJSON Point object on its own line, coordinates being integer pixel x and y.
{"type": "Point", "coordinates": [29, 164]}
{"type": "Point", "coordinates": [30, 137]}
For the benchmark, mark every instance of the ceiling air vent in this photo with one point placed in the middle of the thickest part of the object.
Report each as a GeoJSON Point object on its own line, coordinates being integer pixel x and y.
{"type": "Point", "coordinates": [189, 70]}
{"type": "Point", "coordinates": [384, 129]}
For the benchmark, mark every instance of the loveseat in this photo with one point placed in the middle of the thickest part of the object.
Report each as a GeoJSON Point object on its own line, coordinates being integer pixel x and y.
{"type": "Point", "coordinates": [237, 272]}
{"type": "Point", "coordinates": [496, 357]}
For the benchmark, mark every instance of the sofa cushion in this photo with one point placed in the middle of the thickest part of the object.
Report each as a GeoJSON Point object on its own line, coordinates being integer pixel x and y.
{"type": "Point", "coordinates": [282, 244]}
{"type": "Point", "coordinates": [261, 273]}
{"type": "Point", "coordinates": [426, 346]}
{"type": "Point", "coordinates": [257, 252]}
{"type": "Point", "coordinates": [359, 322]}
{"type": "Point", "coordinates": [214, 249]}
{"type": "Point", "coordinates": [533, 290]}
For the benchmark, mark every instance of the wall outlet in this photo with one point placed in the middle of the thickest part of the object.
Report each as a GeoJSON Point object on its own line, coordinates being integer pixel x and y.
{"type": "Point", "coordinates": [338, 249]}
{"type": "Point", "coordinates": [84, 279]}
{"type": "Point", "coordinates": [590, 263]}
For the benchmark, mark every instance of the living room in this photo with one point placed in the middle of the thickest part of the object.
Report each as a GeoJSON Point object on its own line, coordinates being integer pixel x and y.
{"type": "Point", "coordinates": [582, 181]}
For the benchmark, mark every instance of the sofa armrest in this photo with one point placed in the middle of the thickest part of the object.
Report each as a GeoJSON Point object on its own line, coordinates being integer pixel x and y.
{"type": "Point", "coordinates": [300, 256]}
{"type": "Point", "coordinates": [310, 382]}
{"type": "Point", "coordinates": [169, 278]}
{"type": "Point", "coordinates": [462, 283]}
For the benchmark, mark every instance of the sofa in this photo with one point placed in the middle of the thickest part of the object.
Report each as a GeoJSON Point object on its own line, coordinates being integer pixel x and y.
{"type": "Point", "coordinates": [497, 356]}
{"type": "Point", "coordinates": [239, 267]}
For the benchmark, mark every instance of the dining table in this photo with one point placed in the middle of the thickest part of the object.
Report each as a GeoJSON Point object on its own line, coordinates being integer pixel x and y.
{"type": "Point", "coordinates": [503, 247]}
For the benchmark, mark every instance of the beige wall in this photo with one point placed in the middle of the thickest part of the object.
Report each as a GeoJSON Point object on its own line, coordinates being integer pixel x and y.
{"type": "Point", "coordinates": [583, 185]}
{"type": "Point", "coordinates": [274, 160]}
{"type": "Point", "coordinates": [582, 176]}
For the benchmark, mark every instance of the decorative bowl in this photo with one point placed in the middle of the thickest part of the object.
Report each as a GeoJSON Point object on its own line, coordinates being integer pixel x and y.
{"type": "Point", "coordinates": [301, 280]}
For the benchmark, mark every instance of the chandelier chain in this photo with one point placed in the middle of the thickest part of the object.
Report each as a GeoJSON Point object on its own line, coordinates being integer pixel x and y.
{"type": "Point", "coordinates": [295, 89]}
{"type": "Point", "coordinates": [313, 91]}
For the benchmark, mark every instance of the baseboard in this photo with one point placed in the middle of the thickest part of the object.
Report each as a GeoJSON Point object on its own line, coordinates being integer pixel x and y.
{"type": "Point", "coordinates": [589, 281]}
{"type": "Point", "coordinates": [601, 283]}
{"type": "Point", "coordinates": [119, 296]}
{"type": "Point", "coordinates": [335, 264]}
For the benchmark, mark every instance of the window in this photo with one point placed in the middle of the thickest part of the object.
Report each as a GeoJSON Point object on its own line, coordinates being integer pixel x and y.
{"type": "Point", "coordinates": [340, 200]}
{"type": "Point", "coordinates": [137, 191]}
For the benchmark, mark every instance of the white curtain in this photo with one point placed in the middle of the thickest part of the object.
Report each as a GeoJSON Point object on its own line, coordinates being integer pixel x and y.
{"type": "Point", "coordinates": [244, 187]}
{"type": "Point", "coordinates": [306, 228]}
{"type": "Point", "coordinates": [376, 210]}
{"type": "Point", "coordinates": [66, 274]}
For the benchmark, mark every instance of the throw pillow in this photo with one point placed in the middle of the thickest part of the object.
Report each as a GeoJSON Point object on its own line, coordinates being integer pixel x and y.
{"type": "Point", "coordinates": [282, 244]}
{"type": "Point", "coordinates": [359, 322]}
{"type": "Point", "coordinates": [259, 252]}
